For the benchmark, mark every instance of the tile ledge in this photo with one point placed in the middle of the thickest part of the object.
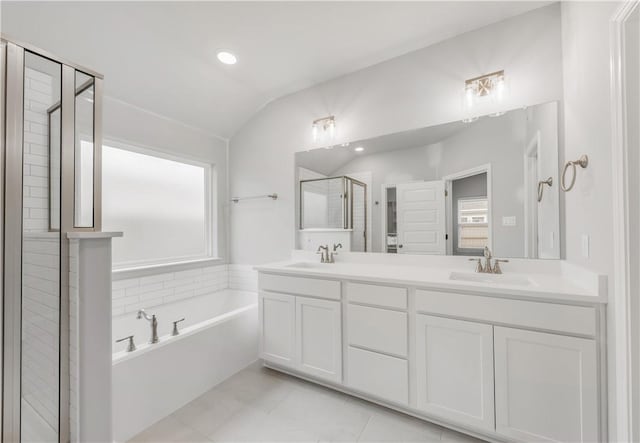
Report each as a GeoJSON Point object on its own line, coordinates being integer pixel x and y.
{"type": "Point", "coordinates": [92, 235]}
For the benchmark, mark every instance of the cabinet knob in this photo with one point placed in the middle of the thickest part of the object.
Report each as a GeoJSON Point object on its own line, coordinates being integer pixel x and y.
{"type": "Point", "coordinates": [400, 246]}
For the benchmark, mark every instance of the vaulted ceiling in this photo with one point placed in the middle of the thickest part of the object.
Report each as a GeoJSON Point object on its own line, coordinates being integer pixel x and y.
{"type": "Point", "coordinates": [161, 56]}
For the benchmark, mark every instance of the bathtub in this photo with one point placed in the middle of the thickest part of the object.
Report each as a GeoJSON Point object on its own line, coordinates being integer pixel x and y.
{"type": "Point", "coordinates": [218, 338]}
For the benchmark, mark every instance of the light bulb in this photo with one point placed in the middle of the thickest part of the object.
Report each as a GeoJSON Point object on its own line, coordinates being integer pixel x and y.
{"type": "Point", "coordinates": [469, 95]}
{"type": "Point", "coordinates": [499, 89]}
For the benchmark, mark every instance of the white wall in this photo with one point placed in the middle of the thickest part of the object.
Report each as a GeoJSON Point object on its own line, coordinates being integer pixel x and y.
{"type": "Point", "coordinates": [422, 88]}
{"type": "Point", "coordinates": [588, 207]}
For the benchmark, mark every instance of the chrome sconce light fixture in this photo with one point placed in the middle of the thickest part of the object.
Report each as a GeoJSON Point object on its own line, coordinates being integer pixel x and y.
{"type": "Point", "coordinates": [323, 129]}
{"type": "Point", "coordinates": [490, 87]}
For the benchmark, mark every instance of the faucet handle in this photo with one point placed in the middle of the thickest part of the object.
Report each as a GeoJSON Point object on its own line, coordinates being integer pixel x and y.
{"type": "Point", "coordinates": [336, 246]}
{"type": "Point", "coordinates": [175, 327]}
{"type": "Point", "coordinates": [496, 266]}
{"type": "Point", "coordinates": [131, 346]}
{"type": "Point", "coordinates": [479, 267]}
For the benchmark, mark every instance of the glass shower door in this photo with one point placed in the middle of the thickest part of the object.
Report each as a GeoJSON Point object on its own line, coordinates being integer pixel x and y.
{"type": "Point", "coordinates": [41, 198]}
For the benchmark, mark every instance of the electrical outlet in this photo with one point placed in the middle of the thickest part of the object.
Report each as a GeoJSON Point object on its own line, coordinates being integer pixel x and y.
{"type": "Point", "coordinates": [509, 220]}
{"type": "Point", "coordinates": [585, 245]}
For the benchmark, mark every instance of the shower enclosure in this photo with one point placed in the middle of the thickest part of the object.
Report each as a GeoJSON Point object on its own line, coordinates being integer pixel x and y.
{"type": "Point", "coordinates": [50, 112]}
{"type": "Point", "coordinates": [335, 203]}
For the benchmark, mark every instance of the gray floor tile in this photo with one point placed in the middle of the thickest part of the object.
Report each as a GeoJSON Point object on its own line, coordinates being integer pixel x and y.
{"type": "Point", "coordinates": [262, 405]}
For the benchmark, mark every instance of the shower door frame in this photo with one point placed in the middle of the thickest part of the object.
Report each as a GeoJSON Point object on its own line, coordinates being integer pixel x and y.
{"type": "Point", "coordinates": [12, 62]}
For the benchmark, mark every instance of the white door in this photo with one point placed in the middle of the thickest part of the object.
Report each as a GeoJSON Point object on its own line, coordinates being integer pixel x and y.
{"type": "Point", "coordinates": [421, 218]}
{"type": "Point", "coordinates": [277, 319]}
{"type": "Point", "coordinates": [455, 370]}
{"type": "Point", "coordinates": [546, 386]}
{"type": "Point", "coordinates": [319, 338]}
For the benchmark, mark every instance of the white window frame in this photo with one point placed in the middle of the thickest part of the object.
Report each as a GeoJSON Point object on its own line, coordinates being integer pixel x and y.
{"type": "Point", "coordinates": [486, 223]}
{"type": "Point", "coordinates": [135, 269]}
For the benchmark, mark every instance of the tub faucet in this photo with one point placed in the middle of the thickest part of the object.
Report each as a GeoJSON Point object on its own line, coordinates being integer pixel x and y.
{"type": "Point", "coordinates": [154, 324]}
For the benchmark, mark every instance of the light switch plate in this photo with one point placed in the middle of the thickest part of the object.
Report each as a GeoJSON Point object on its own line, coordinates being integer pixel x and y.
{"type": "Point", "coordinates": [509, 220]}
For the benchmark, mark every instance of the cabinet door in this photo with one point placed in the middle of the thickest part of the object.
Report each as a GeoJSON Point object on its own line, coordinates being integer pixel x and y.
{"type": "Point", "coordinates": [319, 338]}
{"type": "Point", "coordinates": [277, 320]}
{"type": "Point", "coordinates": [455, 370]}
{"type": "Point", "coordinates": [546, 386]}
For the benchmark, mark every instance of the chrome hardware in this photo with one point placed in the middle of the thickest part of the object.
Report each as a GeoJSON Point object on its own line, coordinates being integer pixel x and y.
{"type": "Point", "coordinates": [479, 268]}
{"type": "Point", "coordinates": [273, 196]}
{"type": "Point", "coordinates": [496, 266]}
{"type": "Point", "coordinates": [154, 324]}
{"type": "Point", "coordinates": [131, 346]}
{"type": "Point", "coordinates": [175, 327]}
{"type": "Point", "coordinates": [541, 183]}
{"type": "Point", "coordinates": [583, 162]}
{"type": "Point", "coordinates": [334, 252]}
{"type": "Point", "coordinates": [487, 268]}
{"type": "Point", "coordinates": [324, 253]}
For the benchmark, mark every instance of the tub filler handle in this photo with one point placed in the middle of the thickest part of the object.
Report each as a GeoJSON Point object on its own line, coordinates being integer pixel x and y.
{"type": "Point", "coordinates": [175, 327]}
{"type": "Point", "coordinates": [131, 346]}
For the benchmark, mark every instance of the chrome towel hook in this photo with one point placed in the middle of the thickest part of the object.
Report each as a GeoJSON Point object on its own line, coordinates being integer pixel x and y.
{"type": "Point", "coordinates": [583, 161]}
{"type": "Point", "coordinates": [541, 183]}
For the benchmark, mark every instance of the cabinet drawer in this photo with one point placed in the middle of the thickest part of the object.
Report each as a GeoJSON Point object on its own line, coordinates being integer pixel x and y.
{"type": "Point", "coordinates": [541, 315]}
{"type": "Point", "coordinates": [313, 287]}
{"type": "Point", "coordinates": [379, 375]}
{"type": "Point", "coordinates": [377, 329]}
{"type": "Point", "coordinates": [377, 295]}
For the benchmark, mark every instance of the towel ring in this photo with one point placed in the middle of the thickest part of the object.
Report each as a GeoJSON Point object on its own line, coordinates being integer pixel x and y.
{"type": "Point", "coordinates": [541, 183]}
{"type": "Point", "coordinates": [583, 161]}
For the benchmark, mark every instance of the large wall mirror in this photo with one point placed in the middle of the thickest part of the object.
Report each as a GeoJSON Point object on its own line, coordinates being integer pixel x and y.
{"type": "Point", "coordinates": [448, 189]}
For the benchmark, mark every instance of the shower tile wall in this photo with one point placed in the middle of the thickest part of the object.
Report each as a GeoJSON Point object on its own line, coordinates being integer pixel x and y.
{"type": "Point", "coordinates": [37, 99]}
{"type": "Point", "coordinates": [40, 258]}
{"type": "Point", "coordinates": [132, 294]}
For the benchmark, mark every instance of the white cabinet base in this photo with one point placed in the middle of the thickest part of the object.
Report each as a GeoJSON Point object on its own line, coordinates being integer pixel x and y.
{"type": "Point", "coordinates": [553, 375]}
{"type": "Point", "coordinates": [379, 375]}
{"type": "Point", "coordinates": [455, 370]}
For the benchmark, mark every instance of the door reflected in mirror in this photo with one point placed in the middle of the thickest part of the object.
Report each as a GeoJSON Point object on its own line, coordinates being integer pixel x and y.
{"type": "Point", "coordinates": [450, 189]}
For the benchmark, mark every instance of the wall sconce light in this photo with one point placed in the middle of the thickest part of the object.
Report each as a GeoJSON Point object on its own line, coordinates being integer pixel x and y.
{"type": "Point", "coordinates": [486, 87]}
{"type": "Point", "coordinates": [324, 128]}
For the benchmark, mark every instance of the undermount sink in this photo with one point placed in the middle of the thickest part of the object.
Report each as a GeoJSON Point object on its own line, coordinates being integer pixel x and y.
{"type": "Point", "coordinates": [502, 279]}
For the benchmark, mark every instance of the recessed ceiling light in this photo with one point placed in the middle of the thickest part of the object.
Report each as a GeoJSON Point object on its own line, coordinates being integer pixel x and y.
{"type": "Point", "coordinates": [359, 149]}
{"type": "Point", "coordinates": [227, 58]}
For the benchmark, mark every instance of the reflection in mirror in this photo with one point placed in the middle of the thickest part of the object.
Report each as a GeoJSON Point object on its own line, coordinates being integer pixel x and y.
{"type": "Point", "coordinates": [84, 151]}
{"type": "Point", "coordinates": [334, 205]}
{"type": "Point", "coordinates": [448, 189]}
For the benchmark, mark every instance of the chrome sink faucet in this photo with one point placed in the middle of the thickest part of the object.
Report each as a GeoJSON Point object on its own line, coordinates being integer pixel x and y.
{"type": "Point", "coordinates": [324, 253]}
{"type": "Point", "coordinates": [334, 252]}
{"type": "Point", "coordinates": [488, 268]}
{"type": "Point", "coordinates": [154, 324]}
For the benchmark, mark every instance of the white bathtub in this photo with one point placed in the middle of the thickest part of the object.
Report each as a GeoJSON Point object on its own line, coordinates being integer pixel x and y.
{"type": "Point", "coordinates": [218, 338]}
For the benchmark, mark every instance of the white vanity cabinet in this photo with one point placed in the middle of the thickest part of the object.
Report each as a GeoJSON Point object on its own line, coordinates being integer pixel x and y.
{"type": "Point", "coordinates": [319, 341]}
{"type": "Point", "coordinates": [454, 361]}
{"type": "Point", "coordinates": [278, 328]}
{"type": "Point", "coordinates": [546, 386]}
{"type": "Point", "coordinates": [300, 321]}
{"type": "Point", "coordinates": [377, 341]}
{"type": "Point", "coordinates": [504, 367]}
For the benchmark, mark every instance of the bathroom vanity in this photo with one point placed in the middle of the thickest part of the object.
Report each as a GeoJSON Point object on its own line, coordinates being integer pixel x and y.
{"type": "Point", "coordinates": [511, 357]}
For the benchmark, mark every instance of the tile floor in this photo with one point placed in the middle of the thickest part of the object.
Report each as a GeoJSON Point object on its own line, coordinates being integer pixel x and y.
{"type": "Point", "coordinates": [259, 404]}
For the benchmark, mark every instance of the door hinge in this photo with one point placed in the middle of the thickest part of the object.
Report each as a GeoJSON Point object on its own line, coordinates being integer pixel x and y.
{"type": "Point", "coordinates": [446, 193]}
{"type": "Point", "coordinates": [446, 236]}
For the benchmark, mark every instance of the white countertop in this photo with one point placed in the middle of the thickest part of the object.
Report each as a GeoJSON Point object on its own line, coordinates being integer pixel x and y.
{"type": "Point", "coordinates": [554, 287]}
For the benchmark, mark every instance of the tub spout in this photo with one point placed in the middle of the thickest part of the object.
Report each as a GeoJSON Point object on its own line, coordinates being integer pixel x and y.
{"type": "Point", "coordinates": [154, 324]}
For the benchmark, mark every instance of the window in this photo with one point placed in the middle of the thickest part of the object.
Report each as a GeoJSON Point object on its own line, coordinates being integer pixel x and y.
{"type": "Point", "coordinates": [473, 223]}
{"type": "Point", "coordinates": [161, 203]}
